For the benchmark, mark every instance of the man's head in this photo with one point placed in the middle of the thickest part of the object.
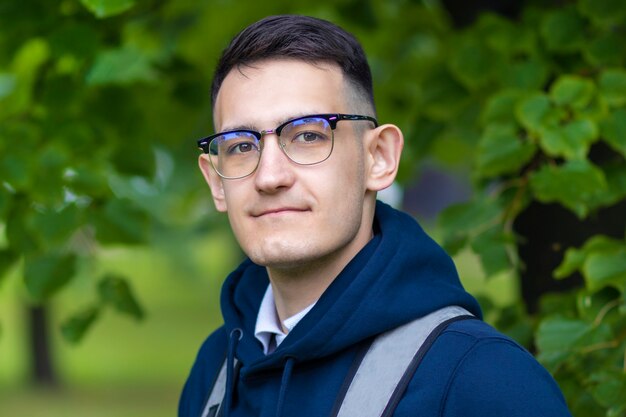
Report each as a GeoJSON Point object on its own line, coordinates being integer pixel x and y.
{"type": "Point", "coordinates": [288, 215]}
{"type": "Point", "coordinates": [302, 38]}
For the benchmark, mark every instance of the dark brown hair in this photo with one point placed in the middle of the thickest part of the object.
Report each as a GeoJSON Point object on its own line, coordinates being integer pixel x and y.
{"type": "Point", "coordinates": [298, 37]}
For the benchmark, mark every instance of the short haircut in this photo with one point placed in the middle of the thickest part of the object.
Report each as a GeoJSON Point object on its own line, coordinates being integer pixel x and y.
{"type": "Point", "coordinates": [303, 38]}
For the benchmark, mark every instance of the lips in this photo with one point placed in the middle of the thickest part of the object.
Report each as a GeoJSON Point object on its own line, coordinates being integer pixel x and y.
{"type": "Point", "coordinates": [278, 211]}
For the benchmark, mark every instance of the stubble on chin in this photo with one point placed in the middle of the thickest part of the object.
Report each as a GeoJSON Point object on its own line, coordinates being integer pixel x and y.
{"type": "Point", "coordinates": [281, 253]}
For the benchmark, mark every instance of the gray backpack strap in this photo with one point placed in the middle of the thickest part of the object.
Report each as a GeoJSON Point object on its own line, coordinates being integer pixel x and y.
{"type": "Point", "coordinates": [217, 394]}
{"type": "Point", "coordinates": [392, 355]}
{"type": "Point", "coordinates": [378, 382]}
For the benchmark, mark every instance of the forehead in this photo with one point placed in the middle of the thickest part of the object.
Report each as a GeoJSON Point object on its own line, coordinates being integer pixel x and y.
{"type": "Point", "coordinates": [268, 92]}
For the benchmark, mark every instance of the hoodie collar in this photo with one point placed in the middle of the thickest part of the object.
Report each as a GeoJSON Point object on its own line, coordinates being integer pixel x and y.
{"type": "Point", "coordinates": [401, 274]}
{"type": "Point", "coordinates": [268, 323]}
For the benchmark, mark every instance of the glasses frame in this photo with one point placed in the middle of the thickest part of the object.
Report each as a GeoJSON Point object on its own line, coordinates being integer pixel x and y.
{"type": "Point", "coordinates": [204, 144]}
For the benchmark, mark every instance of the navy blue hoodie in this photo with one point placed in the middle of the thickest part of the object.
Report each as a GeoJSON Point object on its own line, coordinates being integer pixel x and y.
{"type": "Point", "coordinates": [401, 274]}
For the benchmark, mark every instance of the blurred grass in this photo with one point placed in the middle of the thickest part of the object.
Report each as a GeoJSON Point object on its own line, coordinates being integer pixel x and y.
{"type": "Point", "coordinates": [127, 368]}
{"type": "Point", "coordinates": [97, 401]}
{"type": "Point", "coordinates": [122, 367]}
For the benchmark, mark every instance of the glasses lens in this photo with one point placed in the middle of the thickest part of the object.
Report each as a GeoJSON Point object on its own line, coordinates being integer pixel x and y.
{"type": "Point", "coordinates": [308, 140]}
{"type": "Point", "coordinates": [234, 154]}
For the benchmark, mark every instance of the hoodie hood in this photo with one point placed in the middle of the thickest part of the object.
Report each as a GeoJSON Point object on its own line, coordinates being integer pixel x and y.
{"type": "Point", "coordinates": [400, 275]}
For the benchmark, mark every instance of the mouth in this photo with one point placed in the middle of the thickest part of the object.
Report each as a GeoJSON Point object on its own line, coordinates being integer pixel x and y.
{"type": "Point", "coordinates": [279, 211]}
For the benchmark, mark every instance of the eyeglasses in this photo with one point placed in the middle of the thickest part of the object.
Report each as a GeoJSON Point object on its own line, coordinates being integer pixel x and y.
{"type": "Point", "coordinates": [306, 140]}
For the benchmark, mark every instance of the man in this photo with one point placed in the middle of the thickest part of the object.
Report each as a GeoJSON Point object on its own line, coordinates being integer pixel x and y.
{"type": "Point", "coordinates": [296, 165]}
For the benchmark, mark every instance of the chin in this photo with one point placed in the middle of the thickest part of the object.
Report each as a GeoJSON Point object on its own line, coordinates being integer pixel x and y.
{"type": "Point", "coordinates": [282, 253]}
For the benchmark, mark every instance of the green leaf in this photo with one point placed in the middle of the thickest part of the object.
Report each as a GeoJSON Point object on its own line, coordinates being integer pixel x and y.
{"type": "Point", "coordinates": [563, 30]}
{"type": "Point", "coordinates": [612, 84]}
{"type": "Point", "coordinates": [121, 66]}
{"type": "Point", "coordinates": [606, 269]}
{"type": "Point", "coordinates": [555, 304]}
{"type": "Point", "coordinates": [79, 39]}
{"type": "Point", "coordinates": [20, 237]}
{"type": "Point", "coordinates": [30, 57]}
{"type": "Point", "coordinates": [571, 140]}
{"type": "Point", "coordinates": [515, 323]}
{"type": "Point", "coordinates": [54, 227]}
{"type": "Point", "coordinates": [7, 259]}
{"type": "Point", "coordinates": [606, 50]}
{"type": "Point", "coordinates": [573, 91]}
{"type": "Point", "coordinates": [500, 108]}
{"type": "Point", "coordinates": [457, 221]}
{"type": "Point", "coordinates": [115, 291]}
{"type": "Point", "coordinates": [472, 63]}
{"type": "Point", "coordinates": [559, 339]}
{"type": "Point", "coordinates": [121, 221]}
{"type": "Point", "coordinates": [497, 32]}
{"type": "Point", "coordinates": [558, 334]}
{"type": "Point", "coordinates": [89, 180]}
{"type": "Point", "coordinates": [556, 338]}
{"type": "Point", "coordinates": [528, 75]}
{"type": "Point", "coordinates": [132, 158]}
{"type": "Point", "coordinates": [575, 258]}
{"type": "Point", "coordinates": [501, 151]}
{"type": "Point", "coordinates": [613, 130]}
{"type": "Point", "coordinates": [491, 248]}
{"type": "Point", "coordinates": [591, 305]}
{"type": "Point", "coordinates": [605, 12]}
{"type": "Point", "coordinates": [609, 389]}
{"type": "Point", "coordinates": [534, 112]}
{"type": "Point", "coordinates": [616, 177]}
{"type": "Point", "coordinates": [576, 185]}
{"type": "Point", "coordinates": [601, 243]}
{"type": "Point", "coordinates": [50, 164]}
{"type": "Point", "coordinates": [596, 111]}
{"type": "Point", "coordinates": [107, 8]}
{"type": "Point", "coordinates": [572, 262]}
{"type": "Point", "coordinates": [47, 273]}
{"type": "Point", "coordinates": [442, 96]}
{"type": "Point", "coordinates": [17, 169]}
{"type": "Point", "coordinates": [74, 328]}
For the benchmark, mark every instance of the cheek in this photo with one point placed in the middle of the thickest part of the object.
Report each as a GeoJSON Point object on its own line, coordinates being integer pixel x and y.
{"type": "Point", "coordinates": [234, 202]}
{"type": "Point", "coordinates": [350, 173]}
{"type": "Point", "coordinates": [345, 191]}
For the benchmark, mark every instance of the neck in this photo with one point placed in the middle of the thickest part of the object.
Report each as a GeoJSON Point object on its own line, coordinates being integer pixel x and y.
{"type": "Point", "coordinates": [298, 287]}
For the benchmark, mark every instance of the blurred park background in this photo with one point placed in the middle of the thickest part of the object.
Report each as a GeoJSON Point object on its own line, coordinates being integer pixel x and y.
{"type": "Point", "coordinates": [111, 253]}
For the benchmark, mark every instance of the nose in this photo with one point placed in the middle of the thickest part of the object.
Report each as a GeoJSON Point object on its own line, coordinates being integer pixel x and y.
{"type": "Point", "coordinates": [275, 170]}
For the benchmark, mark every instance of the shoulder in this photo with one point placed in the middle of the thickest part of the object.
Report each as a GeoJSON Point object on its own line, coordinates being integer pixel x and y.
{"type": "Point", "coordinates": [203, 372]}
{"type": "Point", "coordinates": [492, 375]}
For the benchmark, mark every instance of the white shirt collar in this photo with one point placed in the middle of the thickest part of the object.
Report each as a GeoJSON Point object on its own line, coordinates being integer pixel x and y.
{"type": "Point", "coordinates": [268, 323]}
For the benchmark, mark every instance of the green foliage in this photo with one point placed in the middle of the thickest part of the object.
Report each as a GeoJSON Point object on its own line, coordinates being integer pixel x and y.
{"type": "Point", "coordinates": [575, 184]}
{"type": "Point", "coordinates": [536, 133]}
{"type": "Point", "coordinates": [75, 328]}
{"type": "Point", "coordinates": [114, 290]}
{"type": "Point", "coordinates": [95, 101]}
{"type": "Point", "coordinates": [106, 8]}
{"type": "Point", "coordinates": [47, 273]}
{"type": "Point", "coordinates": [121, 66]}
{"type": "Point", "coordinates": [101, 100]}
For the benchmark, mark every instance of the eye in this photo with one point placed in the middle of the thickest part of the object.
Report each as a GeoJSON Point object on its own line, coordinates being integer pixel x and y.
{"type": "Point", "coordinates": [242, 148]}
{"type": "Point", "coordinates": [309, 137]}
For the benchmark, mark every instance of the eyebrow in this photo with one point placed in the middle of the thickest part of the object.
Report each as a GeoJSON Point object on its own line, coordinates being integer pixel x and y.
{"type": "Point", "coordinates": [284, 120]}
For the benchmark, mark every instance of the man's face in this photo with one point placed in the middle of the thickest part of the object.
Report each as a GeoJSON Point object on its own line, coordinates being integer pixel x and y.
{"type": "Point", "coordinates": [286, 215]}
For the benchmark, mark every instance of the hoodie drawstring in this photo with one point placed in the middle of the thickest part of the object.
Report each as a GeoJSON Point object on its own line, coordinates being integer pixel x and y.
{"type": "Point", "coordinates": [232, 371]}
{"type": "Point", "coordinates": [231, 379]}
{"type": "Point", "coordinates": [283, 385]}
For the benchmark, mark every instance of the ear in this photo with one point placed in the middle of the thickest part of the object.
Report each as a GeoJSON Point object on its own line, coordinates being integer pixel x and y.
{"type": "Point", "coordinates": [214, 181]}
{"type": "Point", "coordinates": [384, 146]}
